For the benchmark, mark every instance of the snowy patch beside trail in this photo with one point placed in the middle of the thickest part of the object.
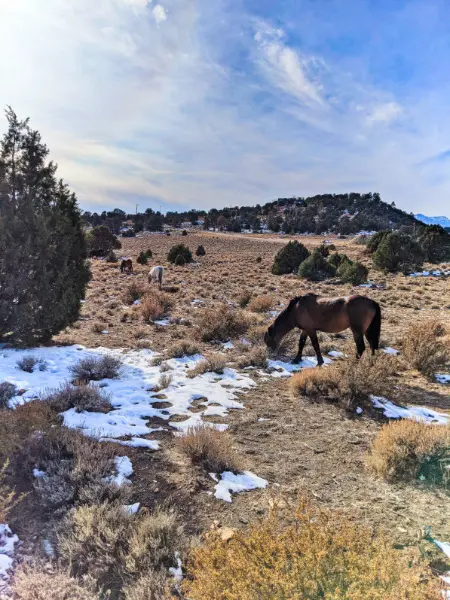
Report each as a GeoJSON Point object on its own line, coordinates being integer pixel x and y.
{"type": "Point", "coordinates": [336, 354]}
{"type": "Point", "coordinates": [442, 377]}
{"type": "Point", "coordinates": [285, 369]}
{"type": "Point", "coordinates": [389, 350]}
{"type": "Point", "coordinates": [124, 470]}
{"type": "Point", "coordinates": [436, 273]}
{"type": "Point", "coordinates": [133, 393]}
{"type": "Point", "coordinates": [7, 542]}
{"type": "Point", "coordinates": [415, 413]}
{"type": "Point", "coordinates": [233, 484]}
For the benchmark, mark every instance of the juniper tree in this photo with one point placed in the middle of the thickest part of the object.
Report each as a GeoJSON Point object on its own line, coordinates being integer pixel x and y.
{"type": "Point", "coordinates": [43, 268]}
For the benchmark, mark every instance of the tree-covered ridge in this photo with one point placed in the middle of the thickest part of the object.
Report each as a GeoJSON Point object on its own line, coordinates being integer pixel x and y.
{"type": "Point", "coordinates": [336, 213]}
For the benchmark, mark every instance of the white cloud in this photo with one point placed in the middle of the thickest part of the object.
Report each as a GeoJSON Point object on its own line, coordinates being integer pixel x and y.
{"type": "Point", "coordinates": [385, 113]}
{"type": "Point", "coordinates": [159, 14]}
{"type": "Point", "coordinates": [287, 69]}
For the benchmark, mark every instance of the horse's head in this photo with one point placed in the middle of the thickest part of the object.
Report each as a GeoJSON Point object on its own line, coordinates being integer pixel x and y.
{"type": "Point", "coordinates": [270, 340]}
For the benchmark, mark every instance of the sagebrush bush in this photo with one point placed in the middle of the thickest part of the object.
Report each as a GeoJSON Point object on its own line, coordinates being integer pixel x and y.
{"type": "Point", "coordinates": [320, 554]}
{"type": "Point", "coordinates": [181, 349]}
{"type": "Point", "coordinates": [406, 450]}
{"type": "Point", "coordinates": [211, 448]}
{"type": "Point", "coordinates": [95, 368]}
{"type": "Point", "coordinates": [425, 346]}
{"type": "Point", "coordinates": [261, 303]}
{"type": "Point", "coordinates": [29, 363]}
{"type": "Point", "coordinates": [155, 305]}
{"type": "Point", "coordinates": [215, 364]}
{"type": "Point", "coordinates": [349, 381]}
{"type": "Point", "coordinates": [244, 298]}
{"type": "Point", "coordinates": [7, 391]}
{"type": "Point", "coordinates": [255, 357]}
{"type": "Point", "coordinates": [8, 497]}
{"type": "Point", "coordinates": [111, 257]}
{"type": "Point", "coordinates": [134, 292]}
{"type": "Point", "coordinates": [398, 252]}
{"type": "Point", "coordinates": [35, 583]}
{"type": "Point", "coordinates": [77, 470]}
{"type": "Point", "coordinates": [179, 250]}
{"type": "Point", "coordinates": [316, 267]}
{"type": "Point", "coordinates": [221, 324]}
{"type": "Point", "coordinates": [117, 548]}
{"type": "Point", "coordinates": [81, 397]}
{"type": "Point", "coordinates": [289, 258]}
{"type": "Point", "coordinates": [151, 586]}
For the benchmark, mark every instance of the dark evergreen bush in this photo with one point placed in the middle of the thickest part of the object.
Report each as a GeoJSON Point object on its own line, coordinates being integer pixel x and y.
{"type": "Point", "coordinates": [43, 267]}
{"type": "Point", "coordinates": [142, 258]}
{"type": "Point", "coordinates": [180, 260]}
{"type": "Point", "coordinates": [111, 257]}
{"type": "Point", "coordinates": [316, 267]}
{"type": "Point", "coordinates": [374, 241]}
{"type": "Point", "coordinates": [179, 250]}
{"type": "Point", "coordinates": [100, 241]}
{"type": "Point", "coordinates": [352, 272]}
{"type": "Point", "coordinates": [289, 258]}
{"type": "Point", "coordinates": [398, 252]}
{"type": "Point", "coordinates": [337, 259]}
{"type": "Point", "coordinates": [435, 243]}
{"type": "Point", "coordinates": [200, 251]}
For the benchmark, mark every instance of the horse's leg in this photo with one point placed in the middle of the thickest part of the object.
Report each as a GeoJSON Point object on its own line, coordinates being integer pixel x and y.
{"type": "Point", "coordinates": [315, 343]}
{"type": "Point", "coordinates": [359, 341]}
{"type": "Point", "coordinates": [301, 345]}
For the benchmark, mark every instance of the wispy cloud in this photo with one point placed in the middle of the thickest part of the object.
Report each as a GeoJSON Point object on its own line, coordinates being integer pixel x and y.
{"type": "Point", "coordinates": [210, 104]}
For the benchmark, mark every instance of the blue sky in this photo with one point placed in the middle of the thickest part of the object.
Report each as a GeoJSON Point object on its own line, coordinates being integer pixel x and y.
{"type": "Point", "coordinates": [206, 103]}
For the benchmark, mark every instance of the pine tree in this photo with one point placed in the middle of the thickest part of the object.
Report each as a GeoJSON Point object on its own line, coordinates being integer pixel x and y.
{"type": "Point", "coordinates": [43, 268]}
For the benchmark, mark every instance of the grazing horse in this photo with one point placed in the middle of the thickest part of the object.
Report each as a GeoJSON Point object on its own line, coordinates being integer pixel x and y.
{"type": "Point", "coordinates": [310, 314]}
{"type": "Point", "coordinates": [126, 265]}
{"type": "Point", "coordinates": [156, 274]}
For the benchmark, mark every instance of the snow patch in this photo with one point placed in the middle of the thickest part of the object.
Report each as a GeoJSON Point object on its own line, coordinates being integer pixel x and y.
{"type": "Point", "coordinates": [442, 377]}
{"type": "Point", "coordinates": [234, 484]}
{"type": "Point", "coordinates": [124, 470]}
{"type": "Point", "coordinates": [415, 413]}
{"type": "Point", "coordinates": [7, 542]}
{"type": "Point", "coordinates": [285, 369]}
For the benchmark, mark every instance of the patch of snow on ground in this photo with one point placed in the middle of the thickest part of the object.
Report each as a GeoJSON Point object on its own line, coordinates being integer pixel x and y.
{"type": "Point", "coordinates": [285, 369]}
{"type": "Point", "coordinates": [131, 509]}
{"type": "Point", "coordinates": [389, 350]}
{"type": "Point", "coordinates": [37, 473]}
{"type": "Point", "coordinates": [336, 354]}
{"type": "Point", "coordinates": [442, 377]}
{"type": "Point", "coordinates": [162, 322]}
{"type": "Point", "coordinates": [7, 542]}
{"type": "Point", "coordinates": [132, 393]}
{"type": "Point", "coordinates": [233, 484]}
{"type": "Point", "coordinates": [137, 442]}
{"type": "Point", "coordinates": [228, 346]}
{"type": "Point", "coordinates": [124, 470]}
{"type": "Point", "coordinates": [415, 413]}
{"type": "Point", "coordinates": [177, 572]}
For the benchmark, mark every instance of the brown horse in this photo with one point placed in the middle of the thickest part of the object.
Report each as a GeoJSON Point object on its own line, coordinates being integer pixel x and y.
{"type": "Point", "coordinates": [310, 314]}
{"type": "Point", "coordinates": [126, 265]}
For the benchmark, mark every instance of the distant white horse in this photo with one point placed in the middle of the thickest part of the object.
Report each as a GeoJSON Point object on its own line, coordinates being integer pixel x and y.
{"type": "Point", "coordinates": [156, 274]}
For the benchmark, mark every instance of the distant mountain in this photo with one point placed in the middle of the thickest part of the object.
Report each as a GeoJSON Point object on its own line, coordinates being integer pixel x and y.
{"type": "Point", "coordinates": [442, 221]}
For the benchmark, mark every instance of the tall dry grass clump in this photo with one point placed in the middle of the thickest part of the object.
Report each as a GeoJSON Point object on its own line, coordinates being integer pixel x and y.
{"type": "Point", "coordinates": [8, 498]}
{"type": "Point", "coordinates": [210, 448]}
{"type": "Point", "coordinates": [155, 305]}
{"type": "Point", "coordinates": [349, 381]}
{"type": "Point", "coordinates": [34, 583]}
{"type": "Point", "coordinates": [134, 292]}
{"type": "Point", "coordinates": [221, 323]}
{"type": "Point", "coordinates": [319, 555]}
{"type": "Point", "coordinates": [260, 304]}
{"type": "Point", "coordinates": [116, 548]}
{"type": "Point", "coordinates": [406, 450]}
{"type": "Point", "coordinates": [425, 346]}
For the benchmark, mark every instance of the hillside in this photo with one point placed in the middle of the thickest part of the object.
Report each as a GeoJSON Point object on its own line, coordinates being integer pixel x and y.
{"type": "Point", "coordinates": [336, 213]}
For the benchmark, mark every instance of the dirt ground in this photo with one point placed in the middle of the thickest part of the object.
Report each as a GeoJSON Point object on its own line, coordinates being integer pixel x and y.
{"type": "Point", "coordinates": [301, 448]}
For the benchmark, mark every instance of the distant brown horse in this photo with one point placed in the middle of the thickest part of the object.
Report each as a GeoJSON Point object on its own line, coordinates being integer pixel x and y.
{"type": "Point", "coordinates": [126, 265]}
{"type": "Point", "coordinates": [310, 314]}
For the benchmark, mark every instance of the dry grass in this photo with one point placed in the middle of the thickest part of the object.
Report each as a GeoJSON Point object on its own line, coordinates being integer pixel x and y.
{"type": "Point", "coordinates": [151, 586]}
{"type": "Point", "coordinates": [96, 368]}
{"type": "Point", "coordinates": [181, 349]}
{"type": "Point", "coordinates": [425, 347]}
{"type": "Point", "coordinates": [211, 448]}
{"type": "Point", "coordinates": [155, 305]}
{"type": "Point", "coordinates": [81, 397]}
{"type": "Point", "coordinates": [133, 292]}
{"type": "Point", "coordinates": [117, 548]}
{"type": "Point", "coordinates": [406, 450]}
{"type": "Point", "coordinates": [8, 498]}
{"type": "Point", "coordinates": [320, 555]}
{"type": "Point", "coordinates": [214, 364]}
{"type": "Point", "coordinates": [348, 381]}
{"type": "Point", "coordinates": [221, 323]}
{"type": "Point", "coordinates": [244, 298]}
{"type": "Point", "coordinates": [34, 583]}
{"type": "Point", "coordinates": [261, 304]}
{"type": "Point", "coordinates": [29, 363]}
{"type": "Point", "coordinates": [256, 357]}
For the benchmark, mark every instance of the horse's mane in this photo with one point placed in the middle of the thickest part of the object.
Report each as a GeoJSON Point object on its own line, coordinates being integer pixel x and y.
{"type": "Point", "coordinates": [286, 311]}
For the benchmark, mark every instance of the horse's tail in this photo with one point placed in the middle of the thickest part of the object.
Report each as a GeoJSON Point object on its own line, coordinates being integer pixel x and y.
{"type": "Point", "coordinates": [374, 329]}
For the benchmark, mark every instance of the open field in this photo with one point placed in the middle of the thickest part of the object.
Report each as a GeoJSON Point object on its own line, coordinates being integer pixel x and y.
{"type": "Point", "coordinates": [300, 447]}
